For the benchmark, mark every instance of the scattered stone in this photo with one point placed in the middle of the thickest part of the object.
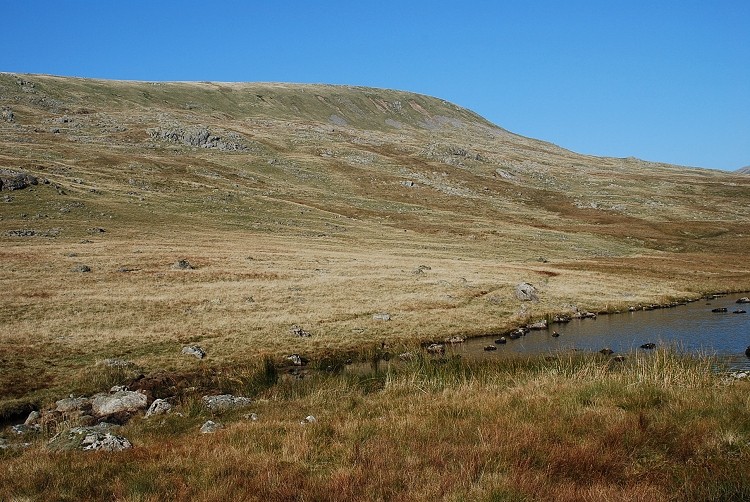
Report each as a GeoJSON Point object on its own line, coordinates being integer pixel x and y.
{"type": "Point", "coordinates": [555, 334]}
{"type": "Point", "coordinates": [561, 319]}
{"type": "Point", "coordinates": [489, 348]}
{"type": "Point", "coordinates": [253, 417]}
{"type": "Point", "coordinates": [526, 292]}
{"type": "Point", "coordinates": [158, 407]}
{"type": "Point", "coordinates": [22, 429]}
{"type": "Point", "coordinates": [96, 230]}
{"type": "Point", "coordinates": [619, 359]}
{"type": "Point", "coordinates": [194, 350]}
{"type": "Point", "coordinates": [182, 265]}
{"type": "Point", "coordinates": [421, 269]}
{"type": "Point", "coordinates": [297, 331]}
{"type": "Point", "coordinates": [648, 346]}
{"type": "Point", "coordinates": [309, 419]}
{"type": "Point", "coordinates": [81, 268]}
{"type": "Point", "coordinates": [122, 401]}
{"type": "Point", "coordinates": [538, 325]}
{"type": "Point", "coordinates": [7, 114]}
{"type": "Point", "coordinates": [382, 316]}
{"type": "Point", "coordinates": [719, 310]}
{"type": "Point", "coordinates": [744, 299]}
{"type": "Point", "coordinates": [501, 341]}
{"type": "Point", "coordinates": [406, 356]}
{"type": "Point", "coordinates": [408, 184]}
{"type": "Point", "coordinates": [632, 309]}
{"type": "Point", "coordinates": [436, 348]}
{"type": "Point", "coordinates": [71, 404]}
{"type": "Point", "coordinates": [607, 351]}
{"type": "Point", "coordinates": [455, 339]}
{"type": "Point", "coordinates": [88, 439]}
{"type": "Point", "coordinates": [225, 402]}
{"type": "Point", "coordinates": [210, 427]}
{"type": "Point", "coordinates": [117, 388]}
{"type": "Point", "coordinates": [739, 311]}
{"type": "Point", "coordinates": [739, 375]}
{"type": "Point", "coordinates": [117, 363]}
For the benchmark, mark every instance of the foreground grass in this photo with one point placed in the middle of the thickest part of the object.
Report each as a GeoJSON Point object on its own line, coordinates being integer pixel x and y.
{"type": "Point", "coordinates": [659, 427]}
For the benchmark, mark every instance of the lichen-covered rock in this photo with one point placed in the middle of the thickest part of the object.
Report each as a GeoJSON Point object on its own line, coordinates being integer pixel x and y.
{"type": "Point", "coordinates": [70, 404]}
{"type": "Point", "coordinates": [88, 439]}
{"type": "Point", "coordinates": [123, 401]}
{"type": "Point", "coordinates": [158, 407]}
{"type": "Point", "coordinates": [225, 402]}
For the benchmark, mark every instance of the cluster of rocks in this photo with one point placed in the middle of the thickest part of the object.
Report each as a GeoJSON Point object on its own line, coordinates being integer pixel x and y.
{"type": "Point", "coordinates": [17, 180]}
{"type": "Point", "coordinates": [201, 137]}
{"type": "Point", "coordinates": [299, 332]}
{"type": "Point", "coordinates": [7, 115]}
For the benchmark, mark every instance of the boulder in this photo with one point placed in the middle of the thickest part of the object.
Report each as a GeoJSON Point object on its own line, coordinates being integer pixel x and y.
{"type": "Point", "coordinates": [225, 402]}
{"type": "Point", "coordinates": [538, 325]}
{"type": "Point", "coordinates": [71, 404]}
{"type": "Point", "coordinates": [88, 439]}
{"type": "Point", "coordinates": [123, 401]}
{"type": "Point", "coordinates": [158, 407]}
{"type": "Point", "coordinates": [210, 427]}
{"type": "Point", "coordinates": [526, 292]}
{"type": "Point", "coordinates": [194, 350]}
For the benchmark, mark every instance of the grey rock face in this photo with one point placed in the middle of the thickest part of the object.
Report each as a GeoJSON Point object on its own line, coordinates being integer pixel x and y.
{"type": "Point", "coordinates": [88, 439]}
{"type": "Point", "coordinates": [526, 292]}
{"type": "Point", "coordinates": [121, 401]}
{"type": "Point", "coordinates": [194, 350]}
{"type": "Point", "coordinates": [225, 402]}
{"type": "Point", "coordinates": [201, 137]}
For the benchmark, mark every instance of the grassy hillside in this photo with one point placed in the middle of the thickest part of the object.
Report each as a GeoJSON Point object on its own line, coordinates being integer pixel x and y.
{"type": "Point", "coordinates": [317, 206]}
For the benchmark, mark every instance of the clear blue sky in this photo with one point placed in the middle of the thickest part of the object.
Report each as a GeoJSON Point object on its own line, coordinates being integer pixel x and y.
{"type": "Point", "coordinates": [660, 80]}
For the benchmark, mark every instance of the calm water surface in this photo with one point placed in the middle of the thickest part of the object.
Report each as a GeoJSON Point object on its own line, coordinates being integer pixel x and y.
{"type": "Point", "coordinates": [691, 328]}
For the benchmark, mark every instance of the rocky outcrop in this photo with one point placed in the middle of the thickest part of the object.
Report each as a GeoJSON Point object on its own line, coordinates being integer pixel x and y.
{"type": "Point", "coordinates": [201, 137]}
{"type": "Point", "coordinates": [16, 180]}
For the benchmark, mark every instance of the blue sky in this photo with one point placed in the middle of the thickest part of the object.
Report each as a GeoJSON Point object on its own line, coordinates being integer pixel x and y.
{"type": "Point", "coordinates": [660, 80]}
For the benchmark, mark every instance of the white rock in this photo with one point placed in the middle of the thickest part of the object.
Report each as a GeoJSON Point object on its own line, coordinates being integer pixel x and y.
{"type": "Point", "coordinates": [309, 419]}
{"type": "Point", "coordinates": [158, 407]}
{"type": "Point", "coordinates": [210, 427]}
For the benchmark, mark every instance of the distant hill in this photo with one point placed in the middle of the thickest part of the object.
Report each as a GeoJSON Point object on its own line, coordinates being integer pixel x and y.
{"type": "Point", "coordinates": [743, 170]}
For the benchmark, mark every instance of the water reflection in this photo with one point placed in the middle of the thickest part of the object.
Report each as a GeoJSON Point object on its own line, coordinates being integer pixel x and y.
{"type": "Point", "coordinates": [691, 328]}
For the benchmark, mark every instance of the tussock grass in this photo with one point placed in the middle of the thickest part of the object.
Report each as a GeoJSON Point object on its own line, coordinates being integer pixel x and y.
{"type": "Point", "coordinates": [576, 428]}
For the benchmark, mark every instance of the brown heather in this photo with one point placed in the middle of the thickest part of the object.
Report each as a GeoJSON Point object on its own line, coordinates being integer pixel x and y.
{"type": "Point", "coordinates": [301, 213]}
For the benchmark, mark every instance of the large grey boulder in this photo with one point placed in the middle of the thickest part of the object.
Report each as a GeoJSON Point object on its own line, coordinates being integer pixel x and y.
{"type": "Point", "coordinates": [526, 292]}
{"type": "Point", "coordinates": [88, 439]}
{"type": "Point", "coordinates": [122, 401]}
{"type": "Point", "coordinates": [225, 402]}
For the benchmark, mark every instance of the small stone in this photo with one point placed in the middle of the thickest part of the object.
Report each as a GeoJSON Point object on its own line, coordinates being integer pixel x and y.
{"type": "Point", "coordinates": [158, 407]}
{"type": "Point", "coordinates": [455, 339]}
{"type": "Point", "coordinates": [210, 427]}
{"type": "Point", "coordinates": [117, 388]}
{"type": "Point", "coordinates": [81, 268]}
{"type": "Point", "coordinates": [436, 348]}
{"type": "Point", "coordinates": [297, 331]}
{"type": "Point", "coordinates": [382, 316]}
{"type": "Point", "coordinates": [606, 351]}
{"type": "Point", "coordinates": [296, 359]}
{"type": "Point", "coordinates": [309, 419]}
{"type": "Point", "coordinates": [490, 348]}
{"type": "Point", "coordinates": [253, 417]}
{"type": "Point", "coordinates": [182, 265]}
{"type": "Point", "coordinates": [194, 350]}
